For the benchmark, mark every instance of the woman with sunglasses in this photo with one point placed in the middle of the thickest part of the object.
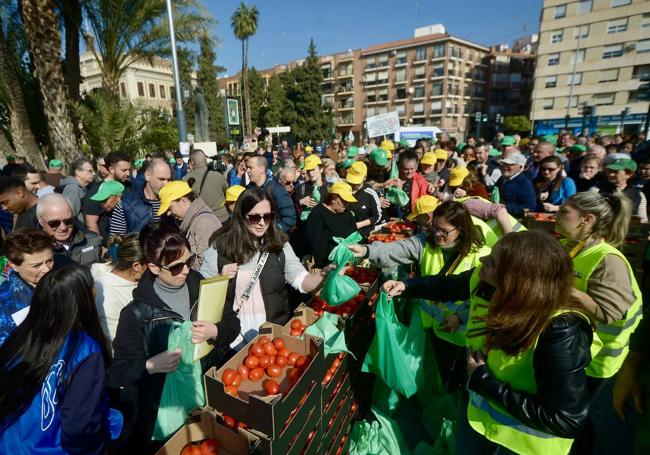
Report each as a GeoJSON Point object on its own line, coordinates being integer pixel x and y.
{"type": "Point", "coordinates": [167, 293]}
{"type": "Point", "coordinates": [251, 249]}
{"type": "Point", "coordinates": [552, 188]}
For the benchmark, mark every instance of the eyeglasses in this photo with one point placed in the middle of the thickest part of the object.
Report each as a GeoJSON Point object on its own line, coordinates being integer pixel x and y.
{"type": "Point", "coordinates": [54, 224]}
{"type": "Point", "coordinates": [178, 268]}
{"type": "Point", "coordinates": [549, 169]}
{"type": "Point", "coordinates": [289, 184]}
{"type": "Point", "coordinates": [256, 218]}
{"type": "Point", "coordinates": [90, 170]}
{"type": "Point", "coordinates": [441, 232]}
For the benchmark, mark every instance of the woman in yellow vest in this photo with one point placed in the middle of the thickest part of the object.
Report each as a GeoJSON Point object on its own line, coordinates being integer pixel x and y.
{"type": "Point", "coordinates": [527, 383]}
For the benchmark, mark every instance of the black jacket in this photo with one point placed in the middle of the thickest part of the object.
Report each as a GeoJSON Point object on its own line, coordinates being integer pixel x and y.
{"type": "Point", "coordinates": [561, 403]}
{"type": "Point", "coordinates": [366, 207]}
{"type": "Point", "coordinates": [142, 332]}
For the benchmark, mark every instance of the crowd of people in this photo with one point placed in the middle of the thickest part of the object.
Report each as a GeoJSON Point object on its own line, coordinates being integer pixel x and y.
{"type": "Point", "coordinates": [102, 259]}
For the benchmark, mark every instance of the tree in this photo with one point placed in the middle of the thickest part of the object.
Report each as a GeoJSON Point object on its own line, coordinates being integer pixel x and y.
{"type": "Point", "coordinates": [275, 112]}
{"type": "Point", "coordinates": [257, 97]}
{"type": "Point", "coordinates": [44, 43]}
{"type": "Point", "coordinates": [159, 131]}
{"type": "Point", "coordinates": [71, 11]}
{"type": "Point", "coordinates": [244, 25]}
{"type": "Point", "coordinates": [207, 79]}
{"type": "Point", "coordinates": [516, 124]}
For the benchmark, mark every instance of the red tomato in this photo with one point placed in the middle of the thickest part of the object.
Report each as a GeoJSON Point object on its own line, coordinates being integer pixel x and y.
{"type": "Point", "coordinates": [302, 361]}
{"type": "Point", "coordinates": [252, 361]}
{"type": "Point", "coordinates": [292, 358]}
{"type": "Point", "coordinates": [271, 387]}
{"type": "Point", "coordinates": [341, 355]}
{"type": "Point", "coordinates": [257, 350]}
{"type": "Point", "coordinates": [229, 422]}
{"type": "Point", "coordinates": [228, 376]}
{"type": "Point", "coordinates": [265, 361]}
{"type": "Point", "coordinates": [327, 378]}
{"type": "Point", "coordinates": [295, 333]}
{"type": "Point", "coordinates": [263, 339]}
{"type": "Point", "coordinates": [354, 407]}
{"type": "Point", "coordinates": [274, 371]}
{"type": "Point", "coordinates": [270, 350]}
{"type": "Point", "coordinates": [210, 447]}
{"type": "Point", "coordinates": [237, 380]}
{"type": "Point", "coordinates": [296, 324]}
{"type": "Point", "coordinates": [336, 363]}
{"type": "Point", "coordinates": [231, 390]}
{"type": "Point", "coordinates": [191, 449]}
{"type": "Point", "coordinates": [278, 343]}
{"type": "Point", "coordinates": [280, 361]}
{"type": "Point", "coordinates": [242, 425]}
{"type": "Point", "coordinates": [256, 374]}
{"type": "Point", "coordinates": [284, 352]}
{"type": "Point", "coordinates": [243, 370]}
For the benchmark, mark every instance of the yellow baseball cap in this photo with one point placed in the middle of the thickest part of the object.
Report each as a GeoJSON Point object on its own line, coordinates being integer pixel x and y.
{"type": "Point", "coordinates": [441, 154]}
{"type": "Point", "coordinates": [309, 149]}
{"type": "Point", "coordinates": [387, 145]}
{"type": "Point", "coordinates": [170, 192]}
{"type": "Point", "coordinates": [356, 173]}
{"type": "Point", "coordinates": [311, 162]}
{"type": "Point", "coordinates": [457, 175]}
{"type": "Point", "coordinates": [389, 154]}
{"type": "Point", "coordinates": [429, 158]}
{"type": "Point", "coordinates": [233, 192]}
{"type": "Point", "coordinates": [425, 204]}
{"type": "Point", "coordinates": [343, 190]}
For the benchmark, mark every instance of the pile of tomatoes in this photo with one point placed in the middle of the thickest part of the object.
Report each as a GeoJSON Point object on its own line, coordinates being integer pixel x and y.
{"type": "Point", "coordinates": [297, 328]}
{"type": "Point", "coordinates": [362, 275]}
{"type": "Point", "coordinates": [332, 371]}
{"type": "Point", "coordinates": [399, 226]}
{"type": "Point", "coordinates": [545, 217]}
{"type": "Point", "coordinates": [206, 447]}
{"type": "Point", "coordinates": [386, 238]}
{"type": "Point", "coordinates": [265, 358]}
{"type": "Point", "coordinates": [346, 309]}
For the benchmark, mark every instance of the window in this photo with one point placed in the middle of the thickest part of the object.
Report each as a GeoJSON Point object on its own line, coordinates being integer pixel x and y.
{"type": "Point", "coordinates": [420, 72]}
{"type": "Point", "coordinates": [617, 26]}
{"type": "Point", "coordinates": [382, 77]}
{"type": "Point", "coordinates": [327, 71]}
{"type": "Point", "coordinates": [456, 52]}
{"type": "Point", "coordinates": [400, 58]}
{"type": "Point", "coordinates": [401, 110]}
{"type": "Point", "coordinates": [584, 7]}
{"type": "Point", "coordinates": [645, 20]}
{"type": "Point", "coordinates": [420, 53]}
{"type": "Point", "coordinates": [438, 50]}
{"type": "Point", "coordinates": [371, 97]}
{"type": "Point", "coordinates": [438, 70]}
{"type": "Point", "coordinates": [418, 108]}
{"type": "Point", "coordinates": [370, 111]}
{"type": "Point", "coordinates": [436, 107]}
{"type": "Point", "coordinates": [400, 75]}
{"type": "Point", "coordinates": [547, 103]}
{"type": "Point", "coordinates": [371, 78]}
{"type": "Point", "coordinates": [400, 94]}
{"type": "Point", "coordinates": [436, 89]}
{"type": "Point", "coordinates": [152, 91]}
{"type": "Point", "coordinates": [382, 95]}
{"type": "Point", "coordinates": [161, 89]}
{"type": "Point", "coordinates": [550, 81]}
{"type": "Point", "coordinates": [641, 70]}
{"type": "Point", "coordinates": [123, 89]}
{"type": "Point", "coordinates": [574, 79]}
{"type": "Point", "coordinates": [643, 46]}
{"type": "Point", "coordinates": [559, 12]}
{"type": "Point", "coordinates": [603, 99]}
{"type": "Point", "coordinates": [383, 61]}
{"type": "Point", "coordinates": [171, 92]}
{"type": "Point", "coordinates": [556, 36]}
{"type": "Point", "coordinates": [553, 59]}
{"type": "Point", "coordinates": [616, 3]}
{"type": "Point", "coordinates": [419, 92]}
{"type": "Point", "coordinates": [578, 56]}
{"type": "Point", "coordinates": [581, 32]}
{"type": "Point", "coordinates": [608, 75]}
{"type": "Point", "coordinates": [613, 51]}
{"type": "Point", "coordinates": [371, 63]}
{"type": "Point", "coordinates": [140, 89]}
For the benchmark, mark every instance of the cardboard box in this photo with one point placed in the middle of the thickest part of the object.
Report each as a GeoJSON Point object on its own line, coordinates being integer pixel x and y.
{"type": "Point", "coordinates": [328, 389]}
{"type": "Point", "coordinates": [271, 415]}
{"type": "Point", "coordinates": [343, 420]}
{"type": "Point", "coordinates": [337, 413]}
{"type": "Point", "coordinates": [203, 424]}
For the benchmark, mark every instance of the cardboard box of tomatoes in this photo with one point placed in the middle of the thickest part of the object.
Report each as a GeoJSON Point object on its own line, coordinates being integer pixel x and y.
{"type": "Point", "coordinates": [334, 404]}
{"type": "Point", "coordinates": [282, 389]}
{"type": "Point", "coordinates": [335, 440]}
{"type": "Point", "coordinates": [204, 435]}
{"type": "Point", "coordinates": [397, 226]}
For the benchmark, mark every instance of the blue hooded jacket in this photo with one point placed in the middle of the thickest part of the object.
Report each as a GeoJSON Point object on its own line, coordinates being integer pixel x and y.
{"type": "Point", "coordinates": [15, 295]}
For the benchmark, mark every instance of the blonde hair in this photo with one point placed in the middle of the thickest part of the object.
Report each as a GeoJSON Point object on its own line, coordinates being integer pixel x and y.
{"type": "Point", "coordinates": [612, 212]}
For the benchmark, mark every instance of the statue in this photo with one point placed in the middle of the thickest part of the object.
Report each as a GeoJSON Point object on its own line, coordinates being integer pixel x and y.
{"type": "Point", "coordinates": [202, 133]}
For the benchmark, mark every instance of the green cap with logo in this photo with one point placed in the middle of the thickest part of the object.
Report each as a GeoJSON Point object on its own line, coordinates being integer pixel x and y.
{"type": "Point", "coordinates": [379, 156]}
{"type": "Point", "coordinates": [347, 163]}
{"type": "Point", "coordinates": [552, 138]}
{"type": "Point", "coordinates": [56, 164]}
{"type": "Point", "coordinates": [580, 148]}
{"type": "Point", "coordinates": [353, 151]}
{"type": "Point", "coordinates": [107, 189]}
{"type": "Point", "coordinates": [507, 141]}
{"type": "Point", "coordinates": [622, 164]}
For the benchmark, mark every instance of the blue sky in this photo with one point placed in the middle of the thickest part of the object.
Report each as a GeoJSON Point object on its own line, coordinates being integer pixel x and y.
{"type": "Point", "coordinates": [285, 26]}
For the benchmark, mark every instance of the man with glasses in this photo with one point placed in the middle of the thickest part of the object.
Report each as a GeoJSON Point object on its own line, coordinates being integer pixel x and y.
{"type": "Point", "coordinates": [71, 239]}
{"type": "Point", "coordinates": [74, 186]}
{"type": "Point", "coordinates": [516, 190]}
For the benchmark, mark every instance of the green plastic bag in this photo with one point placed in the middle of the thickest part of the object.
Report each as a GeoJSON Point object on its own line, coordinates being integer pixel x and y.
{"type": "Point", "coordinates": [315, 195]}
{"type": "Point", "coordinates": [380, 437]}
{"type": "Point", "coordinates": [326, 327]}
{"type": "Point", "coordinates": [397, 351]}
{"type": "Point", "coordinates": [396, 196]}
{"type": "Point", "coordinates": [183, 389]}
{"type": "Point", "coordinates": [338, 289]}
{"type": "Point", "coordinates": [495, 196]}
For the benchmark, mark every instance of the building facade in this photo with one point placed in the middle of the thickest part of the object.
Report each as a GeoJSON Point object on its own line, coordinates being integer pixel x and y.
{"type": "Point", "coordinates": [591, 53]}
{"type": "Point", "coordinates": [510, 80]}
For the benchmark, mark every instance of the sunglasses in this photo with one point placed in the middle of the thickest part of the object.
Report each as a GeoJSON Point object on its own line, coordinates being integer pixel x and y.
{"type": "Point", "coordinates": [549, 169]}
{"type": "Point", "coordinates": [256, 218]}
{"type": "Point", "coordinates": [54, 224]}
{"type": "Point", "coordinates": [178, 268]}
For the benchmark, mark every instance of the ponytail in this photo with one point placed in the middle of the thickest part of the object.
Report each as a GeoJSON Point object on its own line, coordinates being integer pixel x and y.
{"type": "Point", "coordinates": [620, 224]}
{"type": "Point", "coordinates": [612, 212]}
{"type": "Point", "coordinates": [125, 251]}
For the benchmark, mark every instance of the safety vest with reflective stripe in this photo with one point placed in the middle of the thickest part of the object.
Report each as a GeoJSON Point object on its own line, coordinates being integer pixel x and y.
{"type": "Point", "coordinates": [434, 313]}
{"type": "Point", "coordinates": [616, 335]}
{"type": "Point", "coordinates": [497, 424]}
{"type": "Point", "coordinates": [478, 308]}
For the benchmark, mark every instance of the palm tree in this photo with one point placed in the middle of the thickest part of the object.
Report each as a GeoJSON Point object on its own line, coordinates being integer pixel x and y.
{"type": "Point", "coordinates": [244, 25]}
{"type": "Point", "coordinates": [44, 43]}
{"type": "Point", "coordinates": [125, 31]}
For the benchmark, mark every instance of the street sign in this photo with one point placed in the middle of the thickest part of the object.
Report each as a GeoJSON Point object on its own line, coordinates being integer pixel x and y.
{"type": "Point", "coordinates": [279, 129]}
{"type": "Point", "coordinates": [232, 111]}
{"type": "Point", "coordinates": [383, 124]}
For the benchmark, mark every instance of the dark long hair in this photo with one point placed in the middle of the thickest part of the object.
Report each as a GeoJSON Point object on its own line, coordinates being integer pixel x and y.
{"type": "Point", "coordinates": [554, 185]}
{"type": "Point", "coordinates": [458, 216]}
{"type": "Point", "coordinates": [62, 305]}
{"type": "Point", "coordinates": [233, 240]}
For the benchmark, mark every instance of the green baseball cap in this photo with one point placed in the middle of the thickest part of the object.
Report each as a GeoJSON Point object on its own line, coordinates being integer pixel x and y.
{"type": "Point", "coordinates": [404, 143]}
{"type": "Point", "coordinates": [460, 146]}
{"type": "Point", "coordinates": [347, 163]}
{"type": "Point", "coordinates": [622, 164]}
{"type": "Point", "coordinates": [139, 163]}
{"type": "Point", "coordinates": [507, 141]}
{"type": "Point", "coordinates": [379, 156]}
{"type": "Point", "coordinates": [353, 151]}
{"type": "Point", "coordinates": [552, 138]}
{"type": "Point", "coordinates": [494, 152]}
{"type": "Point", "coordinates": [107, 189]}
{"type": "Point", "coordinates": [578, 148]}
{"type": "Point", "coordinates": [56, 164]}
{"type": "Point", "coordinates": [10, 157]}
{"type": "Point", "coordinates": [172, 161]}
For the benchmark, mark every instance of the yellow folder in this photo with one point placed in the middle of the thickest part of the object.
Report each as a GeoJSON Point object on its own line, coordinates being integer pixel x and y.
{"type": "Point", "coordinates": [212, 298]}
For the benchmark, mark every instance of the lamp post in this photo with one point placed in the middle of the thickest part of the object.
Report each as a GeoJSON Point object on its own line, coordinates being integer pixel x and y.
{"type": "Point", "coordinates": [180, 113]}
{"type": "Point", "coordinates": [624, 113]}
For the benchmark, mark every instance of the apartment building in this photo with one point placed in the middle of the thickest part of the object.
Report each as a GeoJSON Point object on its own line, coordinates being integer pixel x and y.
{"type": "Point", "coordinates": [144, 84]}
{"type": "Point", "coordinates": [591, 53]}
{"type": "Point", "coordinates": [510, 81]}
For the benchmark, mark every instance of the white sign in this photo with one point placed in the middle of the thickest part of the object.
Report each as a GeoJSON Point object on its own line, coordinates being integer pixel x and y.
{"type": "Point", "coordinates": [209, 148]}
{"type": "Point", "coordinates": [279, 129]}
{"type": "Point", "coordinates": [383, 124]}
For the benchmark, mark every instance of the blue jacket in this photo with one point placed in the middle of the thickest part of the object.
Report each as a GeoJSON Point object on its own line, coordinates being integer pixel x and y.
{"type": "Point", "coordinates": [283, 204]}
{"type": "Point", "coordinates": [517, 194]}
{"type": "Point", "coordinates": [559, 196]}
{"type": "Point", "coordinates": [137, 211]}
{"type": "Point", "coordinates": [179, 172]}
{"type": "Point", "coordinates": [15, 294]}
{"type": "Point", "coordinates": [70, 413]}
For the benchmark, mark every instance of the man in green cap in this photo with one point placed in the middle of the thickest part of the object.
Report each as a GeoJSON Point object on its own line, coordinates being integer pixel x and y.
{"type": "Point", "coordinates": [107, 196]}
{"type": "Point", "coordinates": [619, 174]}
{"type": "Point", "coordinates": [353, 152]}
{"type": "Point", "coordinates": [54, 173]}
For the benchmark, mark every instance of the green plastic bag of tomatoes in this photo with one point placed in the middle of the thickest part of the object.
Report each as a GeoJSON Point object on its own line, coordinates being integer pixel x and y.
{"type": "Point", "coordinates": [397, 196]}
{"type": "Point", "coordinates": [337, 288]}
{"type": "Point", "coordinates": [183, 389]}
{"type": "Point", "coordinates": [396, 352]}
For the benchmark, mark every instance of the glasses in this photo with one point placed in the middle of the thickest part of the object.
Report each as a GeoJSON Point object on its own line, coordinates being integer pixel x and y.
{"type": "Point", "coordinates": [549, 169]}
{"type": "Point", "coordinates": [289, 184]}
{"type": "Point", "coordinates": [54, 224]}
{"type": "Point", "coordinates": [441, 232]}
{"type": "Point", "coordinates": [91, 170]}
{"type": "Point", "coordinates": [256, 218]}
{"type": "Point", "coordinates": [178, 268]}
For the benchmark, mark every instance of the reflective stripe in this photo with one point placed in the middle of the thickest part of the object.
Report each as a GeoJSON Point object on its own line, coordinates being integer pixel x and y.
{"type": "Point", "coordinates": [516, 226]}
{"type": "Point", "coordinates": [432, 310]}
{"type": "Point", "coordinates": [504, 419]}
{"type": "Point", "coordinates": [617, 330]}
{"type": "Point", "coordinates": [608, 352]}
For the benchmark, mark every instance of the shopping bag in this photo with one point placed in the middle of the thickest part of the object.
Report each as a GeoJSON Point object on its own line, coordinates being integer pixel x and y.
{"type": "Point", "coordinates": [183, 389]}
{"type": "Point", "coordinates": [380, 437]}
{"type": "Point", "coordinates": [396, 352]}
{"type": "Point", "coordinates": [315, 195]}
{"type": "Point", "coordinates": [326, 327]}
{"type": "Point", "coordinates": [338, 289]}
{"type": "Point", "coordinates": [396, 196]}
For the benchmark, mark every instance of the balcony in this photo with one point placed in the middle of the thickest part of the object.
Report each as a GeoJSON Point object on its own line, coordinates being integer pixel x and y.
{"type": "Point", "coordinates": [349, 105]}
{"type": "Point", "coordinates": [345, 73]}
{"type": "Point", "coordinates": [345, 120]}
